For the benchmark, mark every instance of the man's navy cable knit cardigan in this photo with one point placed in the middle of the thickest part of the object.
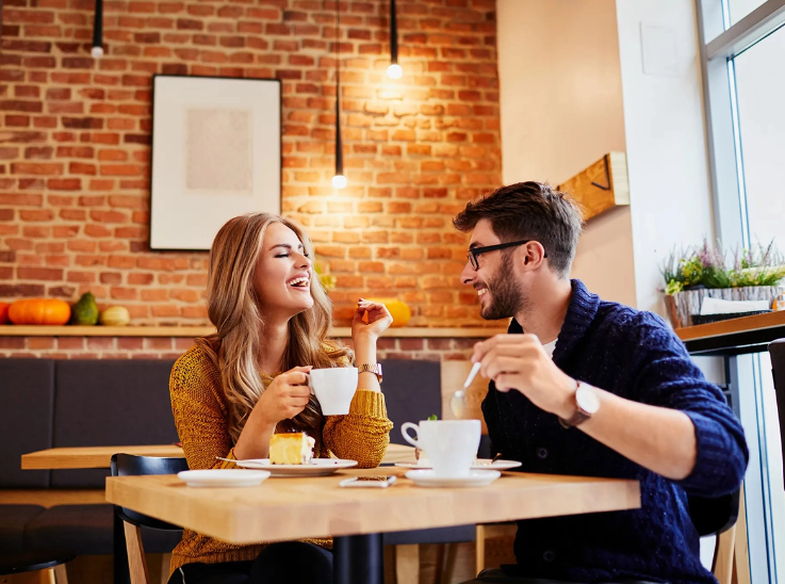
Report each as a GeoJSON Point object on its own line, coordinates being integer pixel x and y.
{"type": "Point", "coordinates": [633, 355]}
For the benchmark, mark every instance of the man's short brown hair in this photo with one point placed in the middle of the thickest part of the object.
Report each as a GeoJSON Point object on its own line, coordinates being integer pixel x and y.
{"type": "Point", "coordinates": [530, 210]}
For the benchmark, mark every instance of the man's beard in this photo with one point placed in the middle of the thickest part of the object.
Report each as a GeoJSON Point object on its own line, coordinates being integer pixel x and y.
{"type": "Point", "coordinates": [506, 299]}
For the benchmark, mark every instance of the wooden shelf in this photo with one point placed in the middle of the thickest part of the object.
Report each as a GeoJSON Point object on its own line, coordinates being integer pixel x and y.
{"type": "Point", "coordinates": [200, 331]}
{"type": "Point", "coordinates": [731, 326]}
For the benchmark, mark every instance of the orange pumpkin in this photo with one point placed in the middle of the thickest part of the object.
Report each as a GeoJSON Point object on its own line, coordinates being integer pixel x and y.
{"type": "Point", "coordinates": [399, 310]}
{"type": "Point", "coordinates": [4, 312]}
{"type": "Point", "coordinates": [49, 311]}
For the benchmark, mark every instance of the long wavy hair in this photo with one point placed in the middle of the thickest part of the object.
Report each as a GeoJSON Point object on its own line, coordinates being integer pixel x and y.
{"type": "Point", "coordinates": [238, 315]}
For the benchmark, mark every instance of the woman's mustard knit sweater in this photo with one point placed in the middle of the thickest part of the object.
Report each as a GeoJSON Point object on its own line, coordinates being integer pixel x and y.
{"type": "Point", "coordinates": [201, 415]}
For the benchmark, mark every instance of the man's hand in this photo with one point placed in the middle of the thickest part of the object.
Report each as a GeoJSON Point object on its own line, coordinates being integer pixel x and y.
{"type": "Point", "coordinates": [519, 362]}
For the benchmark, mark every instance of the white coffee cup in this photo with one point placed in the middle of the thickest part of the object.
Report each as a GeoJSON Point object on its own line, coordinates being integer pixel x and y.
{"type": "Point", "coordinates": [334, 388]}
{"type": "Point", "coordinates": [451, 445]}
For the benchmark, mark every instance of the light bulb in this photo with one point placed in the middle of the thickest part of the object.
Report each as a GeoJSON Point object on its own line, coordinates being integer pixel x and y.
{"type": "Point", "coordinates": [97, 52]}
{"type": "Point", "coordinates": [339, 181]}
{"type": "Point", "coordinates": [394, 71]}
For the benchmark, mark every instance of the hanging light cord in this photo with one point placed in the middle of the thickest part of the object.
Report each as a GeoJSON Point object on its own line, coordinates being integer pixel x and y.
{"type": "Point", "coordinates": [338, 144]}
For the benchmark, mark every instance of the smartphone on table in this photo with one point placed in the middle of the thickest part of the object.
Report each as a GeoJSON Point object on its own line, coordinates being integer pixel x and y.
{"type": "Point", "coordinates": [372, 481]}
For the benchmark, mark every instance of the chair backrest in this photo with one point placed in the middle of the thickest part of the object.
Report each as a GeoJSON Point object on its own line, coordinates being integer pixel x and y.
{"type": "Point", "coordinates": [711, 516]}
{"type": "Point", "coordinates": [412, 391]}
{"type": "Point", "coordinates": [777, 354]}
{"type": "Point", "coordinates": [128, 464]}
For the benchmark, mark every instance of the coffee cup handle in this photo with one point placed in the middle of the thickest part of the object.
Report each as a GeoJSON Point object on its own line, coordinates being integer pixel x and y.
{"type": "Point", "coordinates": [404, 427]}
{"type": "Point", "coordinates": [310, 385]}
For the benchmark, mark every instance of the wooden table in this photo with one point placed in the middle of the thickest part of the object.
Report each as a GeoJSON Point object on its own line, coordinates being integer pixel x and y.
{"type": "Point", "coordinates": [284, 509]}
{"type": "Point", "coordinates": [91, 456]}
{"type": "Point", "coordinates": [101, 456]}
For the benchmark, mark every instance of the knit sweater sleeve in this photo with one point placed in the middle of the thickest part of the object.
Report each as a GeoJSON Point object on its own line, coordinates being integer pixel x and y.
{"type": "Point", "coordinates": [364, 433]}
{"type": "Point", "coordinates": [666, 376]}
{"type": "Point", "coordinates": [195, 392]}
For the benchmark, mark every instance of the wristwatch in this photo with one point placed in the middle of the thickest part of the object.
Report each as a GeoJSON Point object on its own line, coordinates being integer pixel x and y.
{"type": "Point", "coordinates": [587, 403]}
{"type": "Point", "coordinates": [375, 368]}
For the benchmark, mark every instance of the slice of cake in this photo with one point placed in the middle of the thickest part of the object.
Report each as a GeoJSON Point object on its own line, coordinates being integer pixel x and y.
{"type": "Point", "coordinates": [291, 448]}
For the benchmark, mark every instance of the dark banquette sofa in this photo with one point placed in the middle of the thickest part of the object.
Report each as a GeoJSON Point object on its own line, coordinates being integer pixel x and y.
{"type": "Point", "coordinates": [46, 403]}
{"type": "Point", "coordinates": [64, 403]}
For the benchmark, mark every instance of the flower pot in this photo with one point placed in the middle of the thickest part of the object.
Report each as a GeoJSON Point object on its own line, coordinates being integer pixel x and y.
{"type": "Point", "coordinates": [683, 305]}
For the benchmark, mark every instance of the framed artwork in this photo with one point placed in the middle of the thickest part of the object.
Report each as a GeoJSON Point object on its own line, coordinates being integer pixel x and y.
{"type": "Point", "coordinates": [216, 154]}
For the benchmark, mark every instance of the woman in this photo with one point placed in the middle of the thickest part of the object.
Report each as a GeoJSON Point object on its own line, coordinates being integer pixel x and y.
{"type": "Point", "coordinates": [234, 389]}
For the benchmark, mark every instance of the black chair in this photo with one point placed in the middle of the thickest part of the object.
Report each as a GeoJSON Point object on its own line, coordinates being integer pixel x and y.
{"type": "Point", "coordinates": [718, 517]}
{"type": "Point", "coordinates": [34, 561]}
{"type": "Point", "coordinates": [131, 521]}
{"type": "Point", "coordinates": [413, 392]}
{"type": "Point", "coordinates": [777, 355]}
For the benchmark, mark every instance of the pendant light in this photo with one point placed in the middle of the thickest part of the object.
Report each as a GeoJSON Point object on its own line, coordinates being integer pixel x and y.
{"type": "Point", "coordinates": [339, 180]}
{"type": "Point", "coordinates": [394, 71]}
{"type": "Point", "coordinates": [98, 30]}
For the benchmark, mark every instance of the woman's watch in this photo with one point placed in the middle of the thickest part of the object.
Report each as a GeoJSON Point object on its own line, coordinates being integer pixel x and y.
{"type": "Point", "coordinates": [375, 368]}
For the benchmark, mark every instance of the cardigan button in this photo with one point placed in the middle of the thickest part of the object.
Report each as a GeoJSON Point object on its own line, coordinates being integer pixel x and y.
{"type": "Point", "coordinates": [542, 453]}
{"type": "Point", "coordinates": [549, 555]}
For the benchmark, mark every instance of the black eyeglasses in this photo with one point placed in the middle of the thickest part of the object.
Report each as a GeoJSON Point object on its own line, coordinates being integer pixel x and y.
{"type": "Point", "coordinates": [475, 252]}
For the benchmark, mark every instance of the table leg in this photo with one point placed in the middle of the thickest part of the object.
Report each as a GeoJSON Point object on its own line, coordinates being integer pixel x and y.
{"type": "Point", "coordinates": [119, 553]}
{"type": "Point", "coordinates": [358, 559]}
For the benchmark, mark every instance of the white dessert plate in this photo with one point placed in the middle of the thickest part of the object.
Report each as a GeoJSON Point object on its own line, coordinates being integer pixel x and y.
{"type": "Point", "coordinates": [223, 477]}
{"type": "Point", "coordinates": [476, 478]}
{"type": "Point", "coordinates": [479, 464]}
{"type": "Point", "coordinates": [318, 467]}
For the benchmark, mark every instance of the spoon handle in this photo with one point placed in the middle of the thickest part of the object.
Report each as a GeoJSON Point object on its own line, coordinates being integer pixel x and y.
{"type": "Point", "coordinates": [472, 374]}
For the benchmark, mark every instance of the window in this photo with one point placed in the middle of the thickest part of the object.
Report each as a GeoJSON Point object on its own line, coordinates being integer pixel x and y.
{"type": "Point", "coordinates": [743, 63]}
{"type": "Point", "coordinates": [760, 95]}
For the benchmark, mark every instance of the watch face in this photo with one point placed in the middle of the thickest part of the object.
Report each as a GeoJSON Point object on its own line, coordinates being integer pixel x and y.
{"type": "Point", "coordinates": [587, 399]}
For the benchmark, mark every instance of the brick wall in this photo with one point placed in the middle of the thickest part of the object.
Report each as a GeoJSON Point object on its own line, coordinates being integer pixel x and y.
{"type": "Point", "coordinates": [432, 349]}
{"type": "Point", "coordinates": [75, 136]}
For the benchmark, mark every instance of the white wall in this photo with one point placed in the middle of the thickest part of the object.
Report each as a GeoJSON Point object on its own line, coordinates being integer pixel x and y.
{"type": "Point", "coordinates": [573, 87]}
{"type": "Point", "coordinates": [561, 110]}
{"type": "Point", "coordinates": [670, 201]}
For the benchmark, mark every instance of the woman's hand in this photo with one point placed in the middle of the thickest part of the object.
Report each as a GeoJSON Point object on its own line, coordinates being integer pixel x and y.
{"type": "Point", "coordinates": [285, 397]}
{"type": "Point", "coordinates": [370, 319]}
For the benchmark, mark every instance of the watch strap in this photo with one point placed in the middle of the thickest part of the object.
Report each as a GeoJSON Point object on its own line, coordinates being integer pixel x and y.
{"type": "Point", "coordinates": [580, 414]}
{"type": "Point", "coordinates": [375, 368]}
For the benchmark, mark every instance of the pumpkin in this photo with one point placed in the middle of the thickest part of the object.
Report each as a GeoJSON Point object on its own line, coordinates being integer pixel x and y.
{"type": "Point", "coordinates": [49, 311]}
{"type": "Point", "coordinates": [399, 310]}
{"type": "Point", "coordinates": [115, 316]}
{"type": "Point", "coordinates": [4, 312]}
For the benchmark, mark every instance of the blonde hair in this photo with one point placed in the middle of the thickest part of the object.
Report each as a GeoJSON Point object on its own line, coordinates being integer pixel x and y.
{"type": "Point", "coordinates": [234, 308]}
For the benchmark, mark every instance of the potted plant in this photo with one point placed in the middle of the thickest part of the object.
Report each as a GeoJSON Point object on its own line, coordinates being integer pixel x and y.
{"type": "Point", "coordinates": [695, 273]}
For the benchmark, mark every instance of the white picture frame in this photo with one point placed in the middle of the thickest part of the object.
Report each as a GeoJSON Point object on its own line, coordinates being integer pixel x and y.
{"type": "Point", "coordinates": [216, 154]}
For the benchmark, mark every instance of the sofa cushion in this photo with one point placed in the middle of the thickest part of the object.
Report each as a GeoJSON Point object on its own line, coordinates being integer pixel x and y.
{"type": "Point", "coordinates": [412, 391]}
{"type": "Point", "coordinates": [27, 395]}
{"type": "Point", "coordinates": [13, 519]}
{"type": "Point", "coordinates": [108, 403]}
{"type": "Point", "coordinates": [87, 530]}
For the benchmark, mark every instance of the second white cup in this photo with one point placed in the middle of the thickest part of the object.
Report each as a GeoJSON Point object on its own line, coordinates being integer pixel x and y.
{"type": "Point", "coordinates": [334, 388]}
{"type": "Point", "coordinates": [451, 445]}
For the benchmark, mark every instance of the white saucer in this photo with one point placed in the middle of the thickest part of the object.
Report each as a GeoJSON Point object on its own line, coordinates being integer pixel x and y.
{"type": "Point", "coordinates": [479, 464]}
{"type": "Point", "coordinates": [223, 477]}
{"type": "Point", "coordinates": [476, 478]}
{"type": "Point", "coordinates": [319, 467]}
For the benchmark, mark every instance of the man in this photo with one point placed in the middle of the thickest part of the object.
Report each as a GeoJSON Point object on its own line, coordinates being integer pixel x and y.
{"type": "Point", "coordinates": [582, 386]}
